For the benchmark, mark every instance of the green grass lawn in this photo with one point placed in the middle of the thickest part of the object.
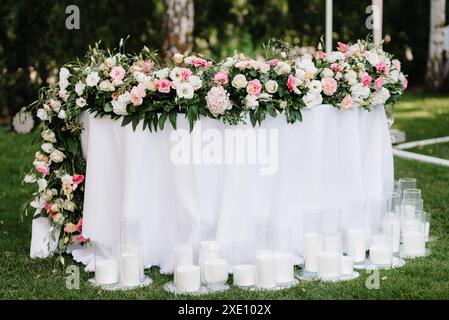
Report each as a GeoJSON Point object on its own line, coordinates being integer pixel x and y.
{"type": "Point", "coordinates": [439, 150]}
{"type": "Point", "coordinates": [425, 278]}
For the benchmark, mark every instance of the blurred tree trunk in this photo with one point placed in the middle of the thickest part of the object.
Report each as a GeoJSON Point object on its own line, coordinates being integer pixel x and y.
{"type": "Point", "coordinates": [177, 27]}
{"type": "Point", "coordinates": [434, 76]}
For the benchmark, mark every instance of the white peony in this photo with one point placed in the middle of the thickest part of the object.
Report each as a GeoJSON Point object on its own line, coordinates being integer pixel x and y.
{"type": "Point", "coordinates": [81, 102]}
{"type": "Point", "coordinates": [79, 88]}
{"type": "Point", "coordinates": [218, 100]}
{"type": "Point", "coordinates": [271, 86]}
{"type": "Point", "coordinates": [42, 184]}
{"type": "Point", "coordinates": [315, 86]}
{"type": "Point", "coordinates": [360, 91]}
{"type": "Point", "coordinates": [312, 99]}
{"type": "Point", "coordinates": [184, 90]}
{"type": "Point", "coordinates": [380, 97]}
{"type": "Point", "coordinates": [327, 73]}
{"type": "Point", "coordinates": [119, 108]}
{"type": "Point", "coordinates": [57, 156]}
{"type": "Point", "coordinates": [42, 114]}
{"type": "Point", "coordinates": [351, 77]}
{"type": "Point", "coordinates": [92, 79]}
{"type": "Point", "coordinates": [239, 81]}
{"type": "Point", "coordinates": [48, 135]}
{"type": "Point", "coordinates": [251, 101]}
{"type": "Point", "coordinates": [47, 147]}
{"type": "Point", "coordinates": [282, 68]}
{"type": "Point", "coordinates": [196, 82]}
{"type": "Point", "coordinates": [163, 73]}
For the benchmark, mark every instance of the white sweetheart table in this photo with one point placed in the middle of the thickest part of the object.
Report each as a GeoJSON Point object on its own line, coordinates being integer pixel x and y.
{"type": "Point", "coordinates": [331, 158]}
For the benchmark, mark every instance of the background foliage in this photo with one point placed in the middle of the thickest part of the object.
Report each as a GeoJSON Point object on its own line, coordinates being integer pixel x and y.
{"type": "Point", "coordinates": [34, 39]}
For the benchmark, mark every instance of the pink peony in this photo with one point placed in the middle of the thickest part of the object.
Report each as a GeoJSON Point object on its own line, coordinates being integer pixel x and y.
{"type": "Point", "coordinates": [382, 67]}
{"type": "Point", "coordinates": [198, 62]}
{"type": "Point", "coordinates": [163, 86]}
{"type": "Point", "coordinates": [147, 66]}
{"type": "Point", "coordinates": [221, 78]}
{"type": "Point", "coordinates": [185, 74]}
{"type": "Point", "coordinates": [117, 73]}
{"type": "Point", "coordinates": [77, 178]}
{"type": "Point", "coordinates": [254, 87]}
{"type": "Point", "coordinates": [291, 83]}
{"type": "Point", "coordinates": [379, 83]}
{"type": "Point", "coordinates": [346, 102]}
{"type": "Point", "coordinates": [320, 55]}
{"type": "Point", "coordinates": [336, 67]}
{"type": "Point", "coordinates": [218, 100]}
{"type": "Point", "coordinates": [329, 86]}
{"type": "Point", "coordinates": [366, 79]}
{"type": "Point", "coordinates": [43, 169]}
{"type": "Point", "coordinates": [343, 47]}
{"type": "Point", "coordinates": [273, 62]}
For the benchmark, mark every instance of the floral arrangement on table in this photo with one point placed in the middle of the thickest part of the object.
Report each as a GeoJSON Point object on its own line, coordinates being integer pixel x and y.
{"type": "Point", "coordinates": [136, 89]}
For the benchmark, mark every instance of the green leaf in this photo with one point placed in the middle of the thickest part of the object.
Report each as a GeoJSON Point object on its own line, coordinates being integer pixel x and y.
{"type": "Point", "coordinates": [127, 120]}
{"type": "Point", "coordinates": [135, 123]}
{"type": "Point", "coordinates": [162, 120]}
{"type": "Point", "coordinates": [173, 117]}
{"type": "Point", "coordinates": [107, 107]}
{"type": "Point", "coordinates": [72, 145]}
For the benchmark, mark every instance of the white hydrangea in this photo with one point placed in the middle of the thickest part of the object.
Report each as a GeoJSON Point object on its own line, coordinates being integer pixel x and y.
{"type": "Point", "coordinates": [218, 100]}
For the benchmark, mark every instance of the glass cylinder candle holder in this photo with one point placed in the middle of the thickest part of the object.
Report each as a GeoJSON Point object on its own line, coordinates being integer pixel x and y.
{"type": "Point", "coordinates": [265, 271]}
{"type": "Point", "coordinates": [215, 268]}
{"type": "Point", "coordinates": [329, 259]}
{"type": "Point", "coordinates": [392, 222]}
{"type": "Point", "coordinates": [411, 194]}
{"type": "Point", "coordinates": [106, 262]}
{"type": "Point", "coordinates": [414, 236]}
{"type": "Point", "coordinates": [312, 240]}
{"type": "Point", "coordinates": [410, 206]}
{"type": "Point", "coordinates": [380, 250]}
{"type": "Point", "coordinates": [407, 183]}
{"type": "Point", "coordinates": [428, 217]}
{"type": "Point", "coordinates": [243, 259]}
{"type": "Point", "coordinates": [396, 187]}
{"type": "Point", "coordinates": [354, 236]}
{"type": "Point", "coordinates": [183, 257]}
{"type": "Point", "coordinates": [188, 278]}
{"type": "Point", "coordinates": [209, 249]}
{"type": "Point", "coordinates": [131, 253]}
{"type": "Point", "coordinates": [281, 242]}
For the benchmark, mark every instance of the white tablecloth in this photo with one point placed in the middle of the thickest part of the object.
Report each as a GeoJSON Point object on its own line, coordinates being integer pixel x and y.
{"type": "Point", "coordinates": [331, 157]}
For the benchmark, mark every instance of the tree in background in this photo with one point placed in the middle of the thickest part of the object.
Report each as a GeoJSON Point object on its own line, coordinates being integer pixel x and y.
{"type": "Point", "coordinates": [435, 67]}
{"type": "Point", "coordinates": [177, 27]}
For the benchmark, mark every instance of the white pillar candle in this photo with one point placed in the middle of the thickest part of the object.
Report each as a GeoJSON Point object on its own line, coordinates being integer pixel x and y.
{"type": "Point", "coordinates": [284, 268]}
{"type": "Point", "coordinates": [263, 251]}
{"type": "Point", "coordinates": [380, 254]}
{"type": "Point", "coordinates": [329, 13]}
{"type": "Point", "coordinates": [183, 256]}
{"type": "Point", "coordinates": [188, 278]}
{"type": "Point", "coordinates": [208, 250]}
{"type": "Point", "coordinates": [394, 224]}
{"type": "Point", "coordinates": [414, 243]}
{"type": "Point", "coordinates": [332, 243]}
{"type": "Point", "coordinates": [311, 248]}
{"type": "Point", "coordinates": [347, 265]}
{"type": "Point", "coordinates": [244, 275]}
{"type": "Point", "coordinates": [106, 271]}
{"type": "Point", "coordinates": [409, 211]}
{"type": "Point", "coordinates": [377, 19]}
{"type": "Point", "coordinates": [411, 225]}
{"type": "Point", "coordinates": [130, 270]}
{"type": "Point", "coordinates": [215, 270]}
{"type": "Point", "coordinates": [329, 264]}
{"type": "Point", "coordinates": [356, 244]}
{"type": "Point", "coordinates": [427, 228]}
{"type": "Point", "coordinates": [265, 271]}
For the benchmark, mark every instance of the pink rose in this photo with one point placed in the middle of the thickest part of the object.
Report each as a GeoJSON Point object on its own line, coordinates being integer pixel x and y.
{"type": "Point", "coordinates": [79, 225]}
{"type": "Point", "coordinates": [63, 94]}
{"type": "Point", "coordinates": [291, 83]}
{"type": "Point", "coordinates": [80, 238]}
{"type": "Point", "coordinates": [382, 67]}
{"type": "Point", "coordinates": [396, 64]}
{"type": "Point", "coordinates": [185, 74]}
{"type": "Point", "coordinates": [405, 83]}
{"type": "Point", "coordinates": [55, 104]}
{"type": "Point", "coordinates": [336, 67]}
{"type": "Point", "coordinates": [43, 169]}
{"type": "Point", "coordinates": [342, 47]}
{"type": "Point", "coordinates": [273, 62]}
{"type": "Point", "coordinates": [379, 83]}
{"type": "Point", "coordinates": [147, 66]}
{"type": "Point", "coordinates": [69, 228]}
{"type": "Point", "coordinates": [117, 73]}
{"type": "Point", "coordinates": [199, 62]}
{"type": "Point", "coordinates": [366, 79]}
{"type": "Point", "coordinates": [329, 86]}
{"type": "Point", "coordinates": [47, 209]}
{"type": "Point", "coordinates": [320, 55]}
{"type": "Point", "coordinates": [254, 87]}
{"type": "Point", "coordinates": [136, 98]}
{"type": "Point", "coordinates": [163, 86]}
{"type": "Point", "coordinates": [221, 78]}
{"type": "Point", "coordinates": [77, 178]}
{"type": "Point", "coordinates": [346, 102]}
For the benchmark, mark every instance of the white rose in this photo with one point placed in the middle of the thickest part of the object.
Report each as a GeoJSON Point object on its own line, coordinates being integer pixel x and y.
{"type": "Point", "coordinates": [163, 73]}
{"type": "Point", "coordinates": [119, 108]}
{"type": "Point", "coordinates": [139, 76]}
{"type": "Point", "coordinates": [47, 147]}
{"type": "Point", "coordinates": [185, 90]}
{"type": "Point", "coordinates": [196, 82]}
{"type": "Point", "coordinates": [66, 179]}
{"type": "Point", "coordinates": [239, 81]}
{"type": "Point", "coordinates": [111, 61]}
{"type": "Point", "coordinates": [372, 57]}
{"type": "Point", "coordinates": [178, 58]}
{"type": "Point", "coordinates": [335, 56]}
{"type": "Point", "coordinates": [61, 114]}
{"type": "Point", "coordinates": [228, 63]}
{"type": "Point", "coordinates": [48, 135]}
{"type": "Point", "coordinates": [81, 102]}
{"type": "Point", "coordinates": [64, 73]}
{"type": "Point", "coordinates": [394, 76]}
{"type": "Point", "coordinates": [57, 156]}
{"type": "Point", "coordinates": [282, 68]}
{"type": "Point", "coordinates": [42, 184]}
{"type": "Point", "coordinates": [175, 74]}
{"type": "Point", "coordinates": [351, 77]}
{"type": "Point", "coordinates": [63, 84]}
{"type": "Point", "coordinates": [300, 74]}
{"type": "Point", "coordinates": [360, 91]}
{"type": "Point", "coordinates": [380, 97]}
{"type": "Point", "coordinates": [79, 88]}
{"type": "Point", "coordinates": [264, 67]}
{"type": "Point", "coordinates": [29, 178]}
{"type": "Point", "coordinates": [92, 79]}
{"type": "Point", "coordinates": [315, 86]}
{"type": "Point", "coordinates": [327, 73]}
{"type": "Point", "coordinates": [271, 86]}
{"type": "Point", "coordinates": [251, 101]}
{"type": "Point", "coordinates": [312, 99]}
{"type": "Point", "coordinates": [42, 114]}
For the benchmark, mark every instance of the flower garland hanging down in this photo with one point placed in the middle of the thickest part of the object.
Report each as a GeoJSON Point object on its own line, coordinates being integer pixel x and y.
{"type": "Point", "coordinates": [135, 89]}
